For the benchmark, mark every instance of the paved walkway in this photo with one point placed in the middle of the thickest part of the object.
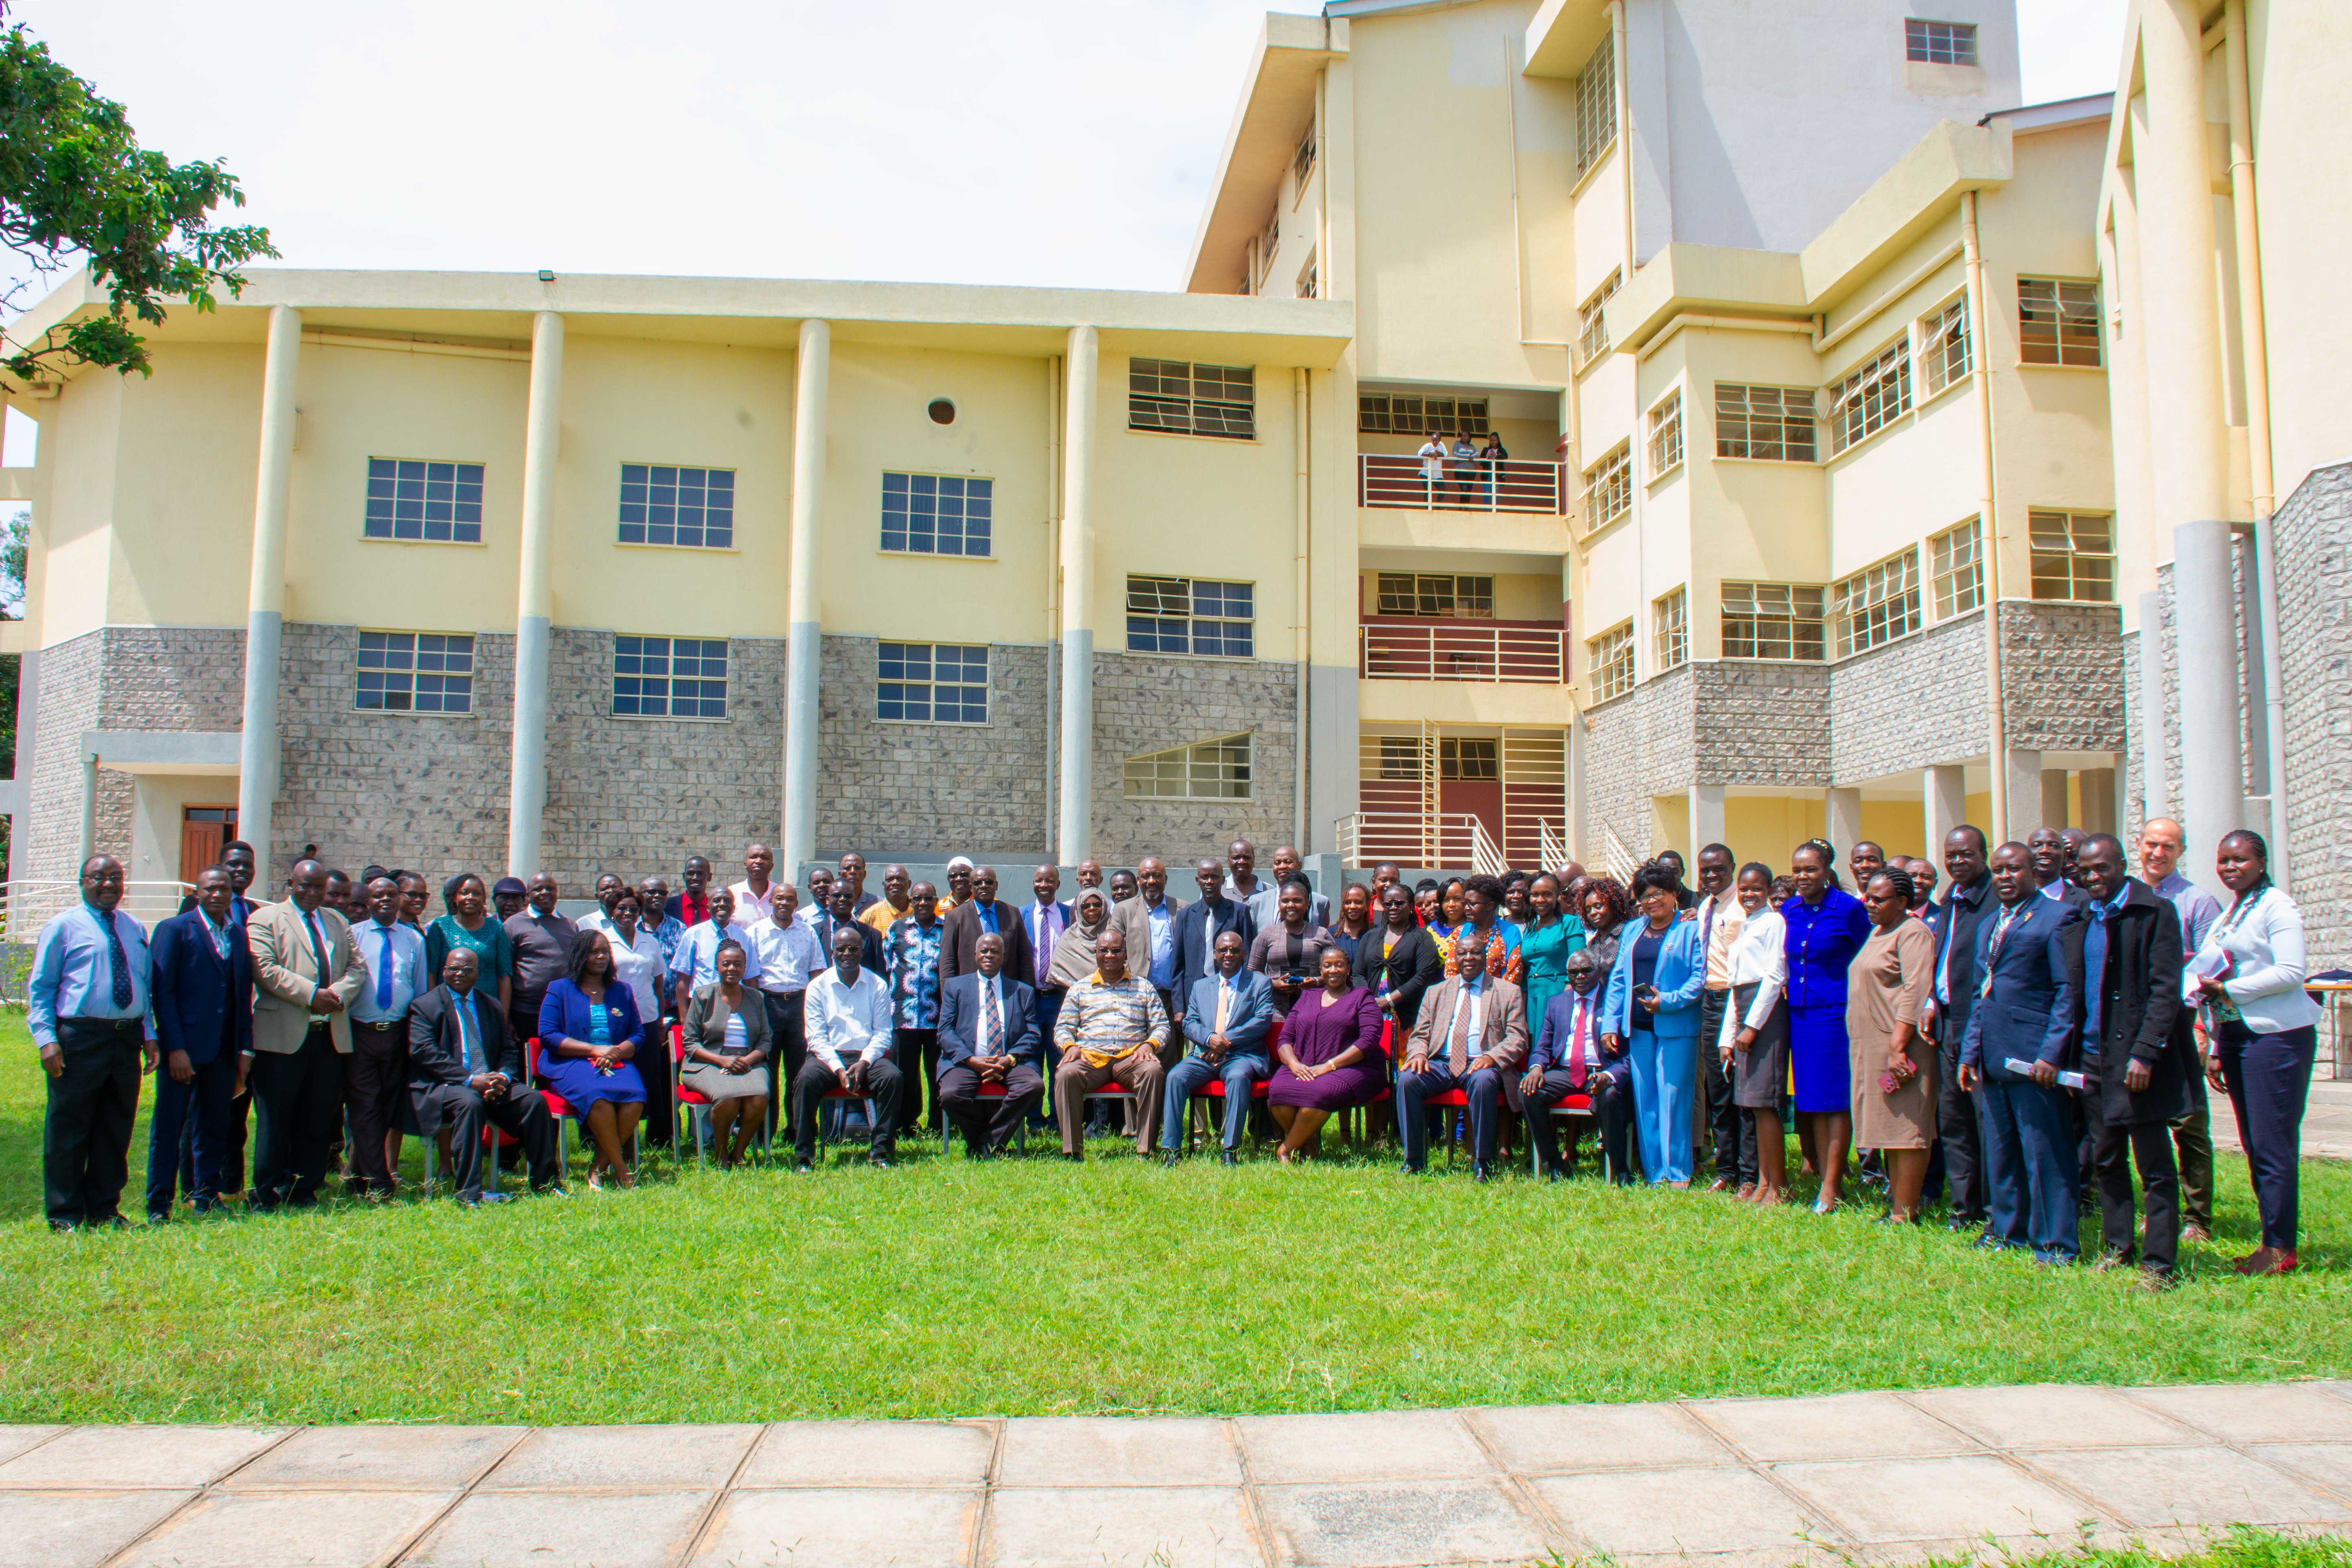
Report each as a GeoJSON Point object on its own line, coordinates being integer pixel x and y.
{"type": "Point", "coordinates": [1863, 1477]}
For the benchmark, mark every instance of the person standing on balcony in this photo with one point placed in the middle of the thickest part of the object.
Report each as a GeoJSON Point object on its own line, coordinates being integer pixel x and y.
{"type": "Point", "coordinates": [1466, 470]}
{"type": "Point", "coordinates": [1432, 463]}
{"type": "Point", "coordinates": [1492, 458]}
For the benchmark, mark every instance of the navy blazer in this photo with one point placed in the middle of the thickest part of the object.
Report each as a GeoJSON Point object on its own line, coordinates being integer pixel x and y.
{"type": "Point", "coordinates": [563, 1015]}
{"type": "Point", "coordinates": [1248, 1030]}
{"type": "Point", "coordinates": [959, 1019]}
{"type": "Point", "coordinates": [1964, 912]}
{"type": "Point", "coordinates": [1198, 926]}
{"type": "Point", "coordinates": [200, 999]}
{"type": "Point", "coordinates": [1557, 1032]}
{"type": "Point", "coordinates": [2027, 1010]}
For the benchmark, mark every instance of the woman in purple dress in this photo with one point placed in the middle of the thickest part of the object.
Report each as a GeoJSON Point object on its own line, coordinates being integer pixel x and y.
{"type": "Point", "coordinates": [1329, 1051]}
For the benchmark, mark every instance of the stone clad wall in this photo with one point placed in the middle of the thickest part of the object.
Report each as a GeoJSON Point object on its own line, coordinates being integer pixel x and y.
{"type": "Point", "coordinates": [1914, 702]}
{"type": "Point", "coordinates": [1761, 723]}
{"type": "Point", "coordinates": [2062, 672]}
{"type": "Point", "coordinates": [71, 676]}
{"type": "Point", "coordinates": [2314, 533]}
{"type": "Point", "coordinates": [1145, 702]}
{"type": "Point", "coordinates": [1638, 746]}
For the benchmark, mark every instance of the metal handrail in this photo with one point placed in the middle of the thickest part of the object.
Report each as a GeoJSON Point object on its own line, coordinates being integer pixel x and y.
{"type": "Point", "coordinates": [27, 905]}
{"type": "Point", "coordinates": [1615, 858]}
{"type": "Point", "coordinates": [1412, 838]}
{"type": "Point", "coordinates": [1465, 485]}
{"type": "Point", "coordinates": [1461, 650]}
{"type": "Point", "coordinates": [1547, 845]}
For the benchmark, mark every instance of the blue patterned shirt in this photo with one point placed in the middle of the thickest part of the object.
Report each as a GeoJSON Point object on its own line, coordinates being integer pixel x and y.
{"type": "Point", "coordinates": [912, 953]}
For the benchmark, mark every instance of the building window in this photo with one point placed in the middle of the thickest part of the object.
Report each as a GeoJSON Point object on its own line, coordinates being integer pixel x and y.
{"type": "Point", "coordinates": [1399, 757]}
{"type": "Point", "coordinates": [935, 514]}
{"type": "Point", "coordinates": [1191, 399]}
{"type": "Point", "coordinates": [1469, 762]}
{"type": "Point", "coordinates": [1939, 43]}
{"type": "Point", "coordinates": [1185, 615]}
{"type": "Point", "coordinates": [1772, 620]}
{"type": "Point", "coordinates": [1302, 162]}
{"type": "Point", "coordinates": [925, 683]}
{"type": "Point", "coordinates": [1608, 487]}
{"type": "Point", "coordinates": [1439, 594]}
{"type": "Point", "coordinates": [1955, 565]}
{"type": "Point", "coordinates": [1268, 244]}
{"type": "Point", "coordinates": [665, 506]}
{"type": "Point", "coordinates": [1667, 435]}
{"type": "Point", "coordinates": [2057, 323]}
{"type": "Point", "coordinates": [670, 677]}
{"type": "Point", "coordinates": [1307, 281]}
{"type": "Point", "coordinates": [1873, 397]}
{"type": "Point", "coordinates": [1593, 322]}
{"type": "Point", "coordinates": [1211, 770]}
{"type": "Point", "coordinates": [418, 498]}
{"type": "Point", "coordinates": [1943, 346]}
{"type": "Point", "coordinates": [1774, 423]}
{"type": "Point", "coordinates": [2074, 555]}
{"type": "Point", "coordinates": [1596, 106]}
{"type": "Point", "coordinates": [1670, 630]}
{"type": "Point", "coordinates": [414, 671]}
{"type": "Point", "coordinates": [1610, 656]}
{"type": "Point", "coordinates": [1386, 413]}
{"type": "Point", "coordinates": [1877, 604]}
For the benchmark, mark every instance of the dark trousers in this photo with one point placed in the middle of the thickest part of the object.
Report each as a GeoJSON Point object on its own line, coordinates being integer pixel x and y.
{"type": "Point", "coordinates": [300, 1095]}
{"type": "Point", "coordinates": [788, 1044]}
{"type": "Point", "coordinates": [522, 1018]}
{"type": "Point", "coordinates": [917, 1053]}
{"type": "Point", "coordinates": [1484, 1090]}
{"type": "Point", "coordinates": [2192, 1142]}
{"type": "Point", "coordinates": [1611, 1107]}
{"type": "Point", "coordinates": [232, 1168]}
{"type": "Point", "coordinates": [1959, 1131]}
{"type": "Point", "coordinates": [375, 1087]}
{"type": "Point", "coordinates": [2117, 1147]}
{"type": "Point", "coordinates": [190, 1122]}
{"type": "Point", "coordinates": [1732, 1129]}
{"type": "Point", "coordinates": [816, 1078]}
{"type": "Point", "coordinates": [2269, 1077]}
{"type": "Point", "coordinates": [521, 1115]}
{"type": "Point", "coordinates": [2029, 1173]}
{"type": "Point", "coordinates": [988, 1125]}
{"type": "Point", "coordinates": [1239, 1072]}
{"type": "Point", "coordinates": [1048, 1012]}
{"type": "Point", "coordinates": [86, 1130]}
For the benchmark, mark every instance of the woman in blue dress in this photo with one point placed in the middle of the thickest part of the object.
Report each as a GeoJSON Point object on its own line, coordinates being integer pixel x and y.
{"type": "Point", "coordinates": [588, 1032]}
{"type": "Point", "coordinates": [1825, 926]}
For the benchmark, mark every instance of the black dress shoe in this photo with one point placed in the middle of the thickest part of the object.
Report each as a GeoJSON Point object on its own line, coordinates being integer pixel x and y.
{"type": "Point", "coordinates": [1479, 1173]}
{"type": "Point", "coordinates": [879, 1162]}
{"type": "Point", "coordinates": [1411, 1168]}
{"type": "Point", "coordinates": [1075, 1156]}
{"type": "Point", "coordinates": [802, 1167]}
{"type": "Point", "coordinates": [1227, 1157]}
{"type": "Point", "coordinates": [1170, 1159]}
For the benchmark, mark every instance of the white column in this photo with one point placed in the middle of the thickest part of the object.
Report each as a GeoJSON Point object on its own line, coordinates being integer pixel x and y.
{"type": "Point", "coordinates": [1078, 597]}
{"type": "Point", "coordinates": [1705, 817]}
{"type": "Point", "coordinates": [535, 603]}
{"type": "Point", "coordinates": [90, 808]}
{"type": "Point", "coordinates": [804, 652]}
{"type": "Point", "coordinates": [2024, 782]}
{"type": "Point", "coordinates": [2054, 811]}
{"type": "Point", "coordinates": [1844, 818]}
{"type": "Point", "coordinates": [2155, 755]}
{"type": "Point", "coordinates": [2212, 764]}
{"type": "Point", "coordinates": [1944, 797]}
{"type": "Point", "coordinates": [2097, 787]}
{"type": "Point", "coordinates": [264, 608]}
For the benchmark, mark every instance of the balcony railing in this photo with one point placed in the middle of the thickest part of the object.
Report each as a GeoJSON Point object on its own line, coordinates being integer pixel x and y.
{"type": "Point", "coordinates": [26, 906]}
{"type": "Point", "coordinates": [1445, 840]}
{"type": "Point", "coordinates": [1466, 485]}
{"type": "Point", "coordinates": [1461, 651]}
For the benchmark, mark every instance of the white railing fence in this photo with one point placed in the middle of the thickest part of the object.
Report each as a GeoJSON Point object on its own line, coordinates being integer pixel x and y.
{"type": "Point", "coordinates": [26, 906]}
{"type": "Point", "coordinates": [1461, 651]}
{"type": "Point", "coordinates": [1412, 838]}
{"type": "Point", "coordinates": [1509, 485]}
{"type": "Point", "coordinates": [1615, 858]}
{"type": "Point", "coordinates": [1555, 854]}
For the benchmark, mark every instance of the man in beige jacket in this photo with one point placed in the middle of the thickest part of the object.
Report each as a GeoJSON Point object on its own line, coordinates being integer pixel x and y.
{"type": "Point", "coordinates": [305, 973]}
{"type": "Point", "coordinates": [1472, 1035]}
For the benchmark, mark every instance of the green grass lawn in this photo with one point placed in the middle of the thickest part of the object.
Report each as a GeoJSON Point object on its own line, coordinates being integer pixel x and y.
{"type": "Point", "coordinates": [1030, 1287]}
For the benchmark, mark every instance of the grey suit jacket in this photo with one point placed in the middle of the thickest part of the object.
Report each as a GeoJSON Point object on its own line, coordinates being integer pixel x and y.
{"type": "Point", "coordinates": [1129, 917]}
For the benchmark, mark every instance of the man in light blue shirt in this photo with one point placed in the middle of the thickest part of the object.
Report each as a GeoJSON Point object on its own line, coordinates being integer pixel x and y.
{"type": "Point", "coordinates": [2160, 843]}
{"type": "Point", "coordinates": [1228, 1017]}
{"type": "Point", "coordinates": [90, 1017]}
{"type": "Point", "coordinates": [376, 1080]}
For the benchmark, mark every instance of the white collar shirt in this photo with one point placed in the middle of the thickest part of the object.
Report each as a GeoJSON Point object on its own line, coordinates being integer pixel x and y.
{"type": "Point", "coordinates": [850, 1022]}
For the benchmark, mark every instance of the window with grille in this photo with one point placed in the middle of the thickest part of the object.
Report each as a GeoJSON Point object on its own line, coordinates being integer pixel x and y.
{"type": "Point", "coordinates": [1939, 43]}
{"type": "Point", "coordinates": [1877, 604]}
{"type": "Point", "coordinates": [931, 683]}
{"type": "Point", "coordinates": [1596, 106]}
{"type": "Point", "coordinates": [1302, 162]}
{"type": "Point", "coordinates": [937, 514]}
{"type": "Point", "coordinates": [1211, 770]}
{"type": "Point", "coordinates": [1775, 424]}
{"type": "Point", "coordinates": [661, 505]}
{"type": "Point", "coordinates": [414, 671]}
{"type": "Point", "coordinates": [1269, 242]}
{"type": "Point", "coordinates": [2057, 323]}
{"type": "Point", "coordinates": [1873, 397]}
{"type": "Point", "coordinates": [1468, 760]}
{"type": "Point", "coordinates": [1773, 620]}
{"type": "Point", "coordinates": [1186, 615]}
{"type": "Point", "coordinates": [423, 499]}
{"type": "Point", "coordinates": [1667, 435]}
{"type": "Point", "coordinates": [1943, 346]}
{"type": "Point", "coordinates": [1670, 630]}
{"type": "Point", "coordinates": [1593, 322]}
{"type": "Point", "coordinates": [1436, 594]}
{"type": "Point", "coordinates": [670, 677]}
{"type": "Point", "coordinates": [2074, 555]}
{"type": "Point", "coordinates": [1610, 657]}
{"type": "Point", "coordinates": [1608, 487]}
{"type": "Point", "coordinates": [1307, 281]}
{"type": "Point", "coordinates": [1390, 414]}
{"type": "Point", "coordinates": [1191, 399]}
{"type": "Point", "coordinates": [1399, 757]}
{"type": "Point", "coordinates": [1955, 569]}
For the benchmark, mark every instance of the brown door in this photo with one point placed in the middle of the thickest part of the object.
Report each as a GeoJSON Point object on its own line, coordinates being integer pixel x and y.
{"type": "Point", "coordinates": [202, 830]}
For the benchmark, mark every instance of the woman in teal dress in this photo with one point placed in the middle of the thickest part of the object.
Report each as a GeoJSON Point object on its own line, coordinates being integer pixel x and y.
{"type": "Point", "coordinates": [469, 923]}
{"type": "Point", "coordinates": [1545, 942]}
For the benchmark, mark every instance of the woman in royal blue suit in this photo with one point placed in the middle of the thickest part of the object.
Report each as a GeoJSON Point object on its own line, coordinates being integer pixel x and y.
{"type": "Point", "coordinates": [1824, 927]}
{"type": "Point", "coordinates": [1651, 1012]}
{"type": "Point", "coordinates": [588, 1030]}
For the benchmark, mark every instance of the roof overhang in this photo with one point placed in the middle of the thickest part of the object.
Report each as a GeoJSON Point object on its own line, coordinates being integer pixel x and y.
{"type": "Point", "coordinates": [1563, 36]}
{"type": "Point", "coordinates": [1923, 189]}
{"type": "Point", "coordinates": [1704, 279]}
{"type": "Point", "coordinates": [1277, 107]}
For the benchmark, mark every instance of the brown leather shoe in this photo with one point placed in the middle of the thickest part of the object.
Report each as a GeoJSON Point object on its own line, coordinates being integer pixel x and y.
{"type": "Point", "coordinates": [2266, 1260]}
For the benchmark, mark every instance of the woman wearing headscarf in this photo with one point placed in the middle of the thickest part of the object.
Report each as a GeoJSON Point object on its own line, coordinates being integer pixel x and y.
{"type": "Point", "coordinates": [1073, 951]}
{"type": "Point", "coordinates": [468, 923]}
{"type": "Point", "coordinates": [1894, 1081]}
{"type": "Point", "coordinates": [1822, 927]}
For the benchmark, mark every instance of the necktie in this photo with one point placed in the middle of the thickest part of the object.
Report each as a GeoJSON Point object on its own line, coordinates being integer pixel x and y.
{"type": "Point", "coordinates": [1224, 1000]}
{"type": "Point", "coordinates": [120, 962]}
{"type": "Point", "coordinates": [317, 945]}
{"type": "Point", "coordinates": [1576, 1044]}
{"type": "Point", "coordinates": [468, 1040]}
{"type": "Point", "coordinates": [1457, 1047]}
{"type": "Point", "coordinates": [992, 1028]}
{"type": "Point", "coordinates": [383, 971]}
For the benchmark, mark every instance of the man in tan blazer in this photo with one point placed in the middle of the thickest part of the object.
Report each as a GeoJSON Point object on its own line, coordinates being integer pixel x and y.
{"type": "Point", "coordinates": [305, 973]}
{"type": "Point", "coordinates": [1149, 922]}
{"type": "Point", "coordinates": [1472, 1035]}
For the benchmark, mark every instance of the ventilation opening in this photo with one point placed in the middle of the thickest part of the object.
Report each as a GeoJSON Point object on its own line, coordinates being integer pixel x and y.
{"type": "Point", "coordinates": [941, 411]}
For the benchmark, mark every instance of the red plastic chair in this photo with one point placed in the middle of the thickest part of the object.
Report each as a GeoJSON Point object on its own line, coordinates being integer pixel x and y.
{"type": "Point", "coordinates": [1568, 1105]}
{"type": "Point", "coordinates": [684, 1101]}
{"type": "Point", "coordinates": [561, 1109]}
{"type": "Point", "coordinates": [985, 1091]}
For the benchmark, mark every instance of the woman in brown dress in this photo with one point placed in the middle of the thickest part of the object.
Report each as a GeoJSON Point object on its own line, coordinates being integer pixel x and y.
{"type": "Point", "coordinates": [1893, 1084]}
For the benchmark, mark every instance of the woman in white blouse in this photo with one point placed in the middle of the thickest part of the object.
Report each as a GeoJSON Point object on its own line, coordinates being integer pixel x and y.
{"type": "Point", "coordinates": [2248, 978]}
{"type": "Point", "coordinates": [1755, 1038]}
{"type": "Point", "coordinates": [638, 958]}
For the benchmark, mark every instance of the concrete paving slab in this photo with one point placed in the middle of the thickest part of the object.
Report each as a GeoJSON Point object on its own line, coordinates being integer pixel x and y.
{"type": "Point", "coordinates": [871, 1454]}
{"type": "Point", "coordinates": [591, 1459]}
{"type": "Point", "coordinates": [1961, 1495]}
{"type": "Point", "coordinates": [1677, 1511]}
{"type": "Point", "coordinates": [1397, 1524]}
{"type": "Point", "coordinates": [2329, 1464]}
{"type": "Point", "coordinates": [565, 1529]}
{"type": "Point", "coordinates": [1829, 1427]}
{"type": "Point", "coordinates": [288, 1530]}
{"type": "Point", "coordinates": [77, 1529]}
{"type": "Point", "coordinates": [1550, 1439]}
{"type": "Point", "coordinates": [2195, 1486]}
{"type": "Point", "coordinates": [2052, 1416]}
{"type": "Point", "coordinates": [1106, 1527]}
{"type": "Point", "coordinates": [1370, 1445]}
{"type": "Point", "coordinates": [2248, 1413]}
{"type": "Point", "coordinates": [111, 1458]}
{"type": "Point", "coordinates": [387, 1458]}
{"type": "Point", "coordinates": [806, 1528]}
{"type": "Point", "coordinates": [1107, 1451]}
{"type": "Point", "coordinates": [15, 1440]}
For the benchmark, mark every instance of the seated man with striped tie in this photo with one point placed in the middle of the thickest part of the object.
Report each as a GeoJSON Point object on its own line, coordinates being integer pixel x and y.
{"type": "Point", "coordinates": [464, 1068]}
{"type": "Point", "coordinates": [1568, 1057]}
{"type": "Point", "coordinates": [988, 1034]}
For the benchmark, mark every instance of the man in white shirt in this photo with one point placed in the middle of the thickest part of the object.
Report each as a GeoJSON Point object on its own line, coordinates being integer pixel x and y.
{"type": "Point", "coordinates": [1432, 463]}
{"type": "Point", "coordinates": [695, 961]}
{"type": "Point", "coordinates": [2160, 843]}
{"type": "Point", "coordinates": [785, 956]}
{"type": "Point", "coordinates": [376, 1083]}
{"type": "Point", "coordinates": [1568, 1058]}
{"type": "Point", "coordinates": [1719, 918]}
{"type": "Point", "coordinates": [850, 1026]}
{"type": "Point", "coordinates": [756, 893]}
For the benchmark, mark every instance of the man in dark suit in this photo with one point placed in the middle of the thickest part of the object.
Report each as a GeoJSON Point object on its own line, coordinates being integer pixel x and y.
{"type": "Point", "coordinates": [238, 857]}
{"type": "Point", "coordinates": [1198, 926]}
{"type": "Point", "coordinates": [2134, 1041]}
{"type": "Point", "coordinates": [1569, 1058]}
{"type": "Point", "coordinates": [2018, 1013]}
{"type": "Point", "coordinates": [464, 1068]}
{"type": "Point", "coordinates": [1958, 921]}
{"type": "Point", "coordinates": [983, 915]}
{"type": "Point", "coordinates": [203, 990]}
{"type": "Point", "coordinates": [988, 1034]}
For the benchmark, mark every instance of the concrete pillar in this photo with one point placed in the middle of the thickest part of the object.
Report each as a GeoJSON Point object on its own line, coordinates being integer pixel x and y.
{"type": "Point", "coordinates": [1079, 596]}
{"type": "Point", "coordinates": [2098, 790]}
{"type": "Point", "coordinates": [1844, 820]}
{"type": "Point", "coordinates": [90, 809]}
{"type": "Point", "coordinates": [2148, 728]}
{"type": "Point", "coordinates": [2212, 784]}
{"type": "Point", "coordinates": [535, 603]}
{"type": "Point", "coordinates": [265, 609]}
{"type": "Point", "coordinates": [804, 653]}
{"type": "Point", "coordinates": [1705, 817]}
{"type": "Point", "coordinates": [1944, 802]}
{"type": "Point", "coordinates": [2054, 812]}
{"type": "Point", "coordinates": [2025, 801]}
